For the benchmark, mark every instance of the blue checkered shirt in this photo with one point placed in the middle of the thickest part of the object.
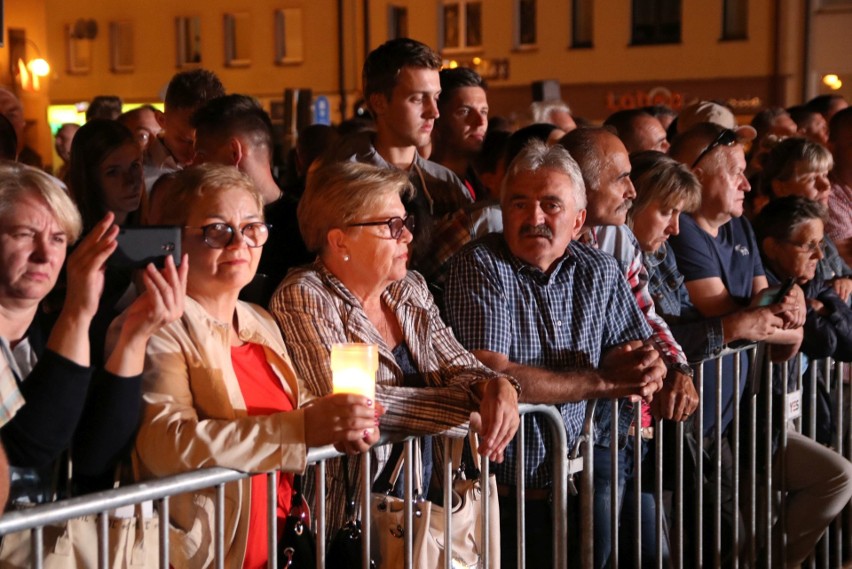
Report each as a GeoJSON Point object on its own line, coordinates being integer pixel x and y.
{"type": "Point", "coordinates": [558, 321]}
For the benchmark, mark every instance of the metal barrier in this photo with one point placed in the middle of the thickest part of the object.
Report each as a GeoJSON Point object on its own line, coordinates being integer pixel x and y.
{"type": "Point", "coordinates": [101, 503]}
{"type": "Point", "coordinates": [752, 532]}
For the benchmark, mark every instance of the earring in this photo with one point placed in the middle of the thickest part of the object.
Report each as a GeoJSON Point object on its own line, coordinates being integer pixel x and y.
{"type": "Point", "coordinates": [346, 257]}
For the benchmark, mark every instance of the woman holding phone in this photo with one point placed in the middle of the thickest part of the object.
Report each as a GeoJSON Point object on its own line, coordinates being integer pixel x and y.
{"type": "Point", "coordinates": [46, 372]}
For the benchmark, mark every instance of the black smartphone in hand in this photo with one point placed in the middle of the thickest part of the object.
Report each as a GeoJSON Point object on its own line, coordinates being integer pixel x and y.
{"type": "Point", "coordinates": [138, 246]}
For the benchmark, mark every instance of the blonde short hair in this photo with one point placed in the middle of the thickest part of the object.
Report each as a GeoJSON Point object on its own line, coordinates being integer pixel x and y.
{"type": "Point", "coordinates": [341, 192]}
{"type": "Point", "coordinates": [18, 180]}
{"type": "Point", "coordinates": [191, 184]}
{"type": "Point", "coordinates": [659, 177]}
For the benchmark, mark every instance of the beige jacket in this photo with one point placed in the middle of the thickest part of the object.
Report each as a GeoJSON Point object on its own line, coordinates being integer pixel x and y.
{"type": "Point", "coordinates": [195, 417]}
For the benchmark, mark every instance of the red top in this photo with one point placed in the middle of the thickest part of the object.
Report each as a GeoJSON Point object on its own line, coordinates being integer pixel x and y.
{"type": "Point", "coordinates": [263, 395]}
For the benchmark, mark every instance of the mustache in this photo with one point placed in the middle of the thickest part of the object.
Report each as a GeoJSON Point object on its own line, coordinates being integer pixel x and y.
{"type": "Point", "coordinates": [625, 206]}
{"type": "Point", "coordinates": [536, 231]}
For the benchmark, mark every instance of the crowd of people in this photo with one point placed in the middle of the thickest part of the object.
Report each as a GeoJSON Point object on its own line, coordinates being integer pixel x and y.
{"type": "Point", "coordinates": [558, 263]}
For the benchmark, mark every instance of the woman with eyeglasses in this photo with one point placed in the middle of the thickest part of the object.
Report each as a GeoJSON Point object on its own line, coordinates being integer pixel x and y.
{"type": "Point", "coordinates": [800, 167]}
{"type": "Point", "coordinates": [219, 387]}
{"type": "Point", "coordinates": [360, 290]}
{"type": "Point", "coordinates": [791, 231]}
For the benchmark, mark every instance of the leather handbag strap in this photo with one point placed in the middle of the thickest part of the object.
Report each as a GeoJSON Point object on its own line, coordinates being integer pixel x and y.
{"type": "Point", "coordinates": [418, 468]}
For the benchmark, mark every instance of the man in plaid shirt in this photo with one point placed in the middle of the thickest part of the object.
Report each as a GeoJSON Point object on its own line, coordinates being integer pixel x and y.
{"type": "Point", "coordinates": [553, 313]}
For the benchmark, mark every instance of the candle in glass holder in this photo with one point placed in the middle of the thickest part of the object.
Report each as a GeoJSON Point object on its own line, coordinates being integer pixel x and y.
{"type": "Point", "coordinates": [353, 368]}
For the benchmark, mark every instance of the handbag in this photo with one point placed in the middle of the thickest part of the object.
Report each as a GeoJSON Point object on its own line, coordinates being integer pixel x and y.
{"type": "Point", "coordinates": [297, 547]}
{"type": "Point", "coordinates": [428, 537]}
{"type": "Point", "coordinates": [133, 533]}
{"type": "Point", "coordinates": [345, 550]}
{"type": "Point", "coordinates": [133, 542]}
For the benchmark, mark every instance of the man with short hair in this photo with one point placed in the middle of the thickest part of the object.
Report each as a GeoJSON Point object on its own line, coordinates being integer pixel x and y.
{"type": "Point", "coordinates": [62, 144]}
{"type": "Point", "coordinates": [555, 314]}
{"type": "Point", "coordinates": [236, 131]}
{"type": "Point", "coordinates": [810, 124]}
{"type": "Point", "coordinates": [638, 130]}
{"type": "Point", "coordinates": [828, 104]}
{"type": "Point", "coordinates": [839, 225]}
{"type": "Point", "coordinates": [718, 255]}
{"type": "Point", "coordinates": [461, 127]}
{"type": "Point", "coordinates": [401, 88]}
{"type": "Point", "coordinates": [143, 123]}
{"type": "Point", "coordinates": [174, 146]}
{"type": "Point", "coordinates": [605, 165]}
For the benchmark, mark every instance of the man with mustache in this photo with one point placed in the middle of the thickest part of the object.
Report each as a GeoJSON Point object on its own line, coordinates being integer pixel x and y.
{"type": "Point", "coordinates": [556, 315]}
{"type": "Point", "coordinates": [605, 165]}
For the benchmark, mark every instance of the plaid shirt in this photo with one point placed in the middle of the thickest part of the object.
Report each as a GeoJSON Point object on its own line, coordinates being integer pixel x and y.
{"type": "Point", "coordinates": [839, 226]}
{"type": "Point", "coordinates": [557, 321]}
{"type": "Point", "coordinates": [620, 242]}
{"type": "Point", "coordinates": [11, 398]}
{"type": "Point", "coordinates": [316, 310]}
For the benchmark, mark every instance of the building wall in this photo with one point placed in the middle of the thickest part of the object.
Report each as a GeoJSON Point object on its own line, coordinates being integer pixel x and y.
{"type": "Point", "coordinates": [751, 73]}
{"type": "Point", "coordinates": [29, 15]}
{"type": "Point", "coordinates": [831, 46]}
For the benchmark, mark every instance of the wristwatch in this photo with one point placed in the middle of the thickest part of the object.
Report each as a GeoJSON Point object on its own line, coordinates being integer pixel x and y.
{"type": "Point", "coordinates": [683, 368]}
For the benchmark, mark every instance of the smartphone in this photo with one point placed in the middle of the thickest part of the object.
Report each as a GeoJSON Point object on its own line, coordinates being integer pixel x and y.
{"type": "Point", "coordinates": [775, 294]}
{"type": "Point", "coordinates": [138, 246]}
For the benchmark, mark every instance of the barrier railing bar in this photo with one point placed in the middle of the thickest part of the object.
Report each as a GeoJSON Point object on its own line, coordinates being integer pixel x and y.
{"type": "Point", "coordinates": [767, 506]}
{"type": "Point", "coordinates": [38, 547]}
{"type": "Point", "coordinates": [838, 529]}
{"type": "Point", "coordinates": [752, 453]}
{"type": "Point", "coordinates": [366, 518]}
{"type": "Point", "coordinates": [658, 491]}
{"type": "Point", "coordinates": [520, 495]}
{"type": "Point", "coordinates": [485, 473]}
{"type": "Point", "coordinates": [638, 442]}
{"type": "Point", "coordinates": [678, 497]}
{"type": "Point", "coordinates": [319, 512]}
{"type": "Point", "coordinates": [735, 435]}
{"type": "Point", "coordinates": [164, 532]}
{"type": "Point", "coordinates": [408, 477]}
{"type": "Point", "coordinates": [613, 489]}
{"type": "Point", "coordinates": [717, 467]}
{"type": "Point", "coordinates": [699, 469]}
{"type": "Point", "coordinates": [271, 520]}
{"type": "Point", "coordinates": [448, 500]}
{"type": "Point", "coordinates": [219, 526]}
{"type": "Point", "coordinates": [782, 451]}
{"type": "Point", "coordinates": [587, 483]}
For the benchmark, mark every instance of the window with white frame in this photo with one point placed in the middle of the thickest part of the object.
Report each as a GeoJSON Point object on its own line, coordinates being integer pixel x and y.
{"type": "Point", "coordinates": [461, 25]}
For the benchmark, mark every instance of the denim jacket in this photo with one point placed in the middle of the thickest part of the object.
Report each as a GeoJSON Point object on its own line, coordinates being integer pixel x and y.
{"type": "Point", "coordinates": [701, 338]}
{"type": "Point", "coordinates": [603, 421]}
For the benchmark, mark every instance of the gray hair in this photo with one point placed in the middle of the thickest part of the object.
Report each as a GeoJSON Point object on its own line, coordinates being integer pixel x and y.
{"type": "Point", "coordinates": [540, 111]}
{"type": "Point", "coordinates": [537, 155]}
{"type": "Point", "coordinates": [338, 193]}
{"type": "Point", "coordinates": [18, 180]}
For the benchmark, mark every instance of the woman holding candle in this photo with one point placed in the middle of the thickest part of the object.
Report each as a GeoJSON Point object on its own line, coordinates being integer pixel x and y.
{"type": "Point", "coordinates": [359, 290]}
{"type": "Point", "coordinates": [219, 388]}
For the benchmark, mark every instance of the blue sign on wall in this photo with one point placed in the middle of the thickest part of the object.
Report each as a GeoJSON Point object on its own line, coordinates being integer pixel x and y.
{"type": "Point", "coordinates": [322, 110]}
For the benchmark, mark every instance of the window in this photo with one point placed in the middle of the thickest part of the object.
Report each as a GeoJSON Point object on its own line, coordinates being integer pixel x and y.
{"type": "Point", "coordinates": [734, 19]}
{"type": "Point", "coordinates": [656, 21]}
{"type": "Point", "coordinates": [288, 36]}
{"type": "Point", "coordinates": [581, 23]}
{"type": "Point", "coordinates": [397, 22]}
{"type": "Point", "coordinates": [461, 25]}
{"type": "Point", "coordinates": [525, 23]}
{"type": "Point", "coordinates": [188, 40]}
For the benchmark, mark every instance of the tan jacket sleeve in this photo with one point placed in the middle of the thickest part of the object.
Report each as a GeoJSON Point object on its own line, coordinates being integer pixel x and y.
{"type": "Point", "coordinates": [189, 422]}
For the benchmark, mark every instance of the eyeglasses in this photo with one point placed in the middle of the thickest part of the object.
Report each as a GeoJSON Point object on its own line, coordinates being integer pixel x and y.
{"type": "Point", "coordinates": [220, 235]}
{"type": "Point", "coordinates": [395, 224]}
{"type": "Point", "coordinates": [726, 138]}
{"type": "Point", "coordinates": [810, 248]}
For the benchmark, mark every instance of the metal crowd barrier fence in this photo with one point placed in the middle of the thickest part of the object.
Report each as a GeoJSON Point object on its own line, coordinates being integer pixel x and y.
{"type": "Point", "coordinates": [751, 532]}
{"type": "Point", "coordinates": [101, 503]}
